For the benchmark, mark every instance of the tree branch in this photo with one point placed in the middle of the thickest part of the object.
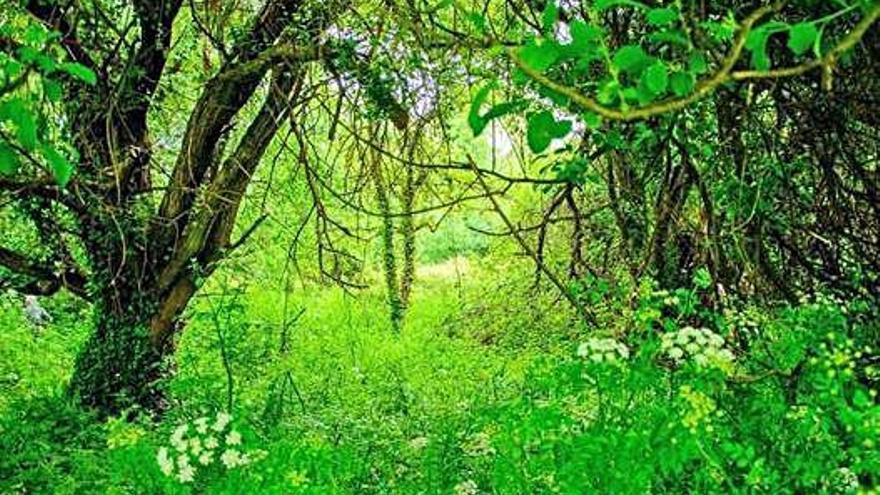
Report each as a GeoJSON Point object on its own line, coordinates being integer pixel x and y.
{"type": "Point", "coordinates": [723, 75]}
{"type": "Point", "coordinates": [45, 279]}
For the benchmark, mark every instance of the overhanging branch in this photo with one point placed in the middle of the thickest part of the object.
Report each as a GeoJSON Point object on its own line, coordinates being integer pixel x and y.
{"type": "Point", "coordinates": [723, 75]}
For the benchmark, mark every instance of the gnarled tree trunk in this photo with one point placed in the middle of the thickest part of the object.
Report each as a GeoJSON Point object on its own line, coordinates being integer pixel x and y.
{"type": "Point", "coordinates": [144, 252]}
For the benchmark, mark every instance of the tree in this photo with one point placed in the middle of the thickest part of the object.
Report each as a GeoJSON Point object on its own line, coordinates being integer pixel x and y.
{"type": "Point", "coordinates": [145, 257]}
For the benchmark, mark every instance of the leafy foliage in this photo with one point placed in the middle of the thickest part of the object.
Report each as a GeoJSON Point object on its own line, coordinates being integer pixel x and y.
{"type": "Point", "coordinates": [439, 247]}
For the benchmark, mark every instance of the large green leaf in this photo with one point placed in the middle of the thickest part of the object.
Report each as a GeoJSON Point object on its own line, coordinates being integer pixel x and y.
{"type": "Point", "coordinates": [539, 57]}
{"type": "Point", "coordinates": [478, 121]}
{"type": "Point", "coordinates": [661, 16]}
{"type": "Point", "coordinates": [543, 128]}
{"type": "Point", "coordinates": [681, 83]}
{"type": "Point", "coordinates": [79, 71]}
{"type": "Point", "coordinates": [757, 44]}
{"type": "Point", "coordinates": [549, 16]}
{"type": "Point", "coordinates": [656, 78]}
{"type": "Point", "coordinates": [585, 39]}
{"type": "Point", "coordinates": [631, 59]}
{"type": "Point", "coordinates": [475, 120]}
{"type": "Point", "coordinates": [802, 37]}
{"type": "Point", "coordinates": [61, 168]}
{"type": "Point", "coordinates": [8, 160]}
{"type": "Point", "coordinates": [697, 64]}
{"type": "Point", "coordinates": [17, 111]}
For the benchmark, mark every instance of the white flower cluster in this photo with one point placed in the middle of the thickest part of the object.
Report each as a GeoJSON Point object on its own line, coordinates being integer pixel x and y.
{"type": "Point", "coordinates": [201, 443]}
{"type": "Point", "coordinates": [468, 487]}
{"type": "Point", "coordinates": [702, 345]}
{"type": "Point", "coordinates": [603, 350]}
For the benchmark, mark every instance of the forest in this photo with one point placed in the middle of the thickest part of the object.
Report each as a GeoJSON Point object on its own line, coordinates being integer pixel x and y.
{"type": "Point", "coordinates": [443, 247]}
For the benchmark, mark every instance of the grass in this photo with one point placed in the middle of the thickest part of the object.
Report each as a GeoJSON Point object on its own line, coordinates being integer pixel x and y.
{"type": "Point", "coordinates": [346, 405]}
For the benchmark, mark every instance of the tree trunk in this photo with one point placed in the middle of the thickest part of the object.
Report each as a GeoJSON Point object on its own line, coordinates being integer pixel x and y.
{"type": "Point", "coordinates": [124, 361]}
{"type": "Point", "coordinates": [119, 367]}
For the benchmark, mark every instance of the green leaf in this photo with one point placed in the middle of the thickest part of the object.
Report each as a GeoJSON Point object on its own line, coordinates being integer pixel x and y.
{"type": "Point", "coordinates": [475, 120]}
{"type": "Point", "coordinates": [61, 168]}
{"type": "Point", "coordinates": [681, 83]}
{"type": "Point", "coordinates": [52, 90]}
{"type": "Point", "coordinates": [13, 68]}
{"type": "Point", "coordinates": [633, 94]}
{"type": "Point", "coordinates": [757, 44]}
{"type": "Point", "coordinates": [608, 92]}
{"type": "Point", "coordinates": [539, 57]}
{"type": "Point", "coordinates": [35, 34]}
{"type": "Point", "coordinates": [661, 16]}
{"type": "Point", "coordinates": [549, 16]}
{"type": "Point", "coordinates": [720, 31]}
{"type": "Point", "coordinates": [593, 120]}
{"type": "Point", "coordinates": [558, 99]}
{"type": "Point", "coordinates": [656, 78]}
{"type": "Point", "coordinates": [585, 39]}
{"type": "Point", "coordinates": [505, 108]}
{"type": "Point", "coordinates": [583, 34]}
{"type": "Point", "coordinates": [631, 59]}
{"type": "Point", "coordinates": [543, 128]}
{"type": "Point", "coordinates": [17, 111]}
{"type": "Point", "coordinates": [478, 122]}
{"type": "Point", "coordinates": [697, 63]}
{"type": "Point", "coordinates": [801, 37]}
{"type": "Point", "coordinates": [601, 5]}
{"type": "Point", "coordinates": [8, 160]}
{"type": "Point", "coordinates": [671, 36]}
{"type": "Point", "coordinates": [80, 72]}
{"type": "Point", "coordinates": [702, 279]}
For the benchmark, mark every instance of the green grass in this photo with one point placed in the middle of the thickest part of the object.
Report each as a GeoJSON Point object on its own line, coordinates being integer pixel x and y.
{"type": "Point", "coordinates": [470, 398]}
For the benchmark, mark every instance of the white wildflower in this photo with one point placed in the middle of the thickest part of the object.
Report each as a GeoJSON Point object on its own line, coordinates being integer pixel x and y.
{"type": "Point", "coordinates": [599, 350]}
{"type": "Point", "coordinates": [205, 459]}
{"type": "Point", "coordinates": [222, 422]}
{"type": "Point", "coordinates": [233, 438]}
{"type": "Point", "coordinates": [211, 443]}
{"type": "Point", "coordinates": [845, 480]}
{"type": "Point", "coordinates": [702, 345]}
{"type": "Point", "coordinates": [165, 462]}
{"type": "Point", "coordinates": [468, 487]}
{"type": "Point", "coordinates": [231, 458]}
{"type": "Point", "coordinates": [201, 425]}
{"type": "Point", "coordinates": [177, 440]}
{"type": "Point", "coordinates": [187, 474]}
{"type": "Point", "coordinates": [195, 446]}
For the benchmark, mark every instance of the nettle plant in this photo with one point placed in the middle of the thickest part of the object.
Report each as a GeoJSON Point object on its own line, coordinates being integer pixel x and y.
{"type": "Point", "coordinates": [204, 445]}
{"type": "Point", "coordinates": [627, 61]}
